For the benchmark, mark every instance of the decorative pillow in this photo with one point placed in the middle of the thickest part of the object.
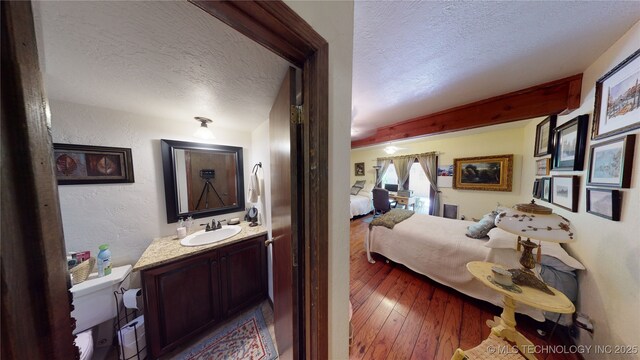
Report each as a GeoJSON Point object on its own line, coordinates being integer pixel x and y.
{"type": "Point", "coordinates": [480, 229]}
{"type": "Point", "coordinates": [360, 183]}
{"type": "Point", "coordinates": [500, 239]}
{"type": "Point", "coordinates": [355, 190]}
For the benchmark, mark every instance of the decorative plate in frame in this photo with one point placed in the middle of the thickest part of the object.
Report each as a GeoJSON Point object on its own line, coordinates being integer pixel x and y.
{"type": "Point", "coordinates": [618, 112]}
{"type": "Point", "coordinates": [86, 164]}
{"type": "Point", "coordinates": [544, 136]}
{"type": "Point", "coordinates": [570, 142]}
{"type": "Point", "coordinates": [610, 162]}
{"type": "Point", "coordinates": [564, 191]}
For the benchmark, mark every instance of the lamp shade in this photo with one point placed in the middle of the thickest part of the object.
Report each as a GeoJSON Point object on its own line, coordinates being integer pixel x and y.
{"type": "Point", "coordinates": [536, 222]}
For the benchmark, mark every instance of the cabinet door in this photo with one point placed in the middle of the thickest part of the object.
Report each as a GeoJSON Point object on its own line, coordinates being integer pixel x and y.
{"type": "Point", "coordinates": [244, 275]}
{"type": "Point", "coordinates": [181, 299]}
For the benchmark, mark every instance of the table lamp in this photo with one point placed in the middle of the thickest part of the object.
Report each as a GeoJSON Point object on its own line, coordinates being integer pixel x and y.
{"type": "Point", "coordinates": [533, 222]}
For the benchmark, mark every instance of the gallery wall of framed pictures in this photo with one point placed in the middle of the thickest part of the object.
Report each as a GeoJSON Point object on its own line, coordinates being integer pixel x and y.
{"type": "Point", "coordinates": [610, 153]}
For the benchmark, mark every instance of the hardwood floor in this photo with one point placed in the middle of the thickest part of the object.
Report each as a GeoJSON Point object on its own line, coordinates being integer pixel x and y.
{"type": "Point", "coordinates": [399, 314]}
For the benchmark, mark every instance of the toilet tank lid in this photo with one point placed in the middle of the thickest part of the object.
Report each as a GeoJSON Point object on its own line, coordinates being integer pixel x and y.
{"type": "Point", "coordinates": [95, 283]}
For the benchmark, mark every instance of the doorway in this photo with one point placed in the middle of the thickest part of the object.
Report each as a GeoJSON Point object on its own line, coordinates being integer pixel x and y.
{"type": "Point", "coordinates": [273, 25]}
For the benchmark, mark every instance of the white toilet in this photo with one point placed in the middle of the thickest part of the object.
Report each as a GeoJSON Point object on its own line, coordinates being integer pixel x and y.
{"type": "Point", "coordinates": [95, 309]}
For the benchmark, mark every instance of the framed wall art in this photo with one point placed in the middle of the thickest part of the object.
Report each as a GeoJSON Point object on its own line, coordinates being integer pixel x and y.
{"type": "Point", "coordinates": [359, 169]}
{"type": "Point", "coordinates": [490, 173]}
{"type": "Point", "coordinates": [86, 164]}
{"type": "Point", "coordinates": [542, 167]}
{"type": "Point", "coordinates": [617, 105]}
{"type": "Point", "coordinates": [536, 189]}
{"type": "Point", "coordinates": [564, 191]}
{"type": "Point", "coordinates": [546, 189]}
{"type": "Point", "coordinates": [544, 137]}
{"type": "Point", "coordinates": [610, 162]}
{"type": "Point", "coordinates": [604, 203]}
{"type": "Point", "coordinates": [570, 142]}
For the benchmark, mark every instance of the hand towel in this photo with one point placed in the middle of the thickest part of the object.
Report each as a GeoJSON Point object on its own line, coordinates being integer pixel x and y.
{"type": "Point", "coordinates": [254, 188]}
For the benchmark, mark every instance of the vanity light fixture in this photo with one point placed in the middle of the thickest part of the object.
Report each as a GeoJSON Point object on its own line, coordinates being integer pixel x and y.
{"type": "Point", "coordinates": [203, 131]}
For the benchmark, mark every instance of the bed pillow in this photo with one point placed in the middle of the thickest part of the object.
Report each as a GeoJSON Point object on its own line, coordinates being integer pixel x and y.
{"type": "Point", "coordinates": [355, 190]}
{"type": "Point", "coordinates": [500, 239]}
{"type": "Point", "coordinates": [367, 188]}
{"type": "Point", "coordinates": [480, 229]}
{"type": "Point", "coordinates": [360, 183]}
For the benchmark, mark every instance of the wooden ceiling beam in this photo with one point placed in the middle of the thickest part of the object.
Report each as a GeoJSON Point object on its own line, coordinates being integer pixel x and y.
{"type": "Point", "coordinates": [555, 97]}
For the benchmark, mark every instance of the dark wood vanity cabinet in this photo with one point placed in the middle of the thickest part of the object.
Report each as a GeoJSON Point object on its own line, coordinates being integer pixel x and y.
{"type": "Point", "coordinates": [184, 297]}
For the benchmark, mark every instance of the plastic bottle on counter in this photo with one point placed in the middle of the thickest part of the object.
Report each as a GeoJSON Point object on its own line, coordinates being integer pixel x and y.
{"type": "Point", "coordinates": [104, 260]}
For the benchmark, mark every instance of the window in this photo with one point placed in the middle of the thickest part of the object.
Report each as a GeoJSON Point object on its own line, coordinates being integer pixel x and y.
{"type": "Point", "coordinates": [390, 177]}
{"type": "Point", "coordinates": [418, 181]}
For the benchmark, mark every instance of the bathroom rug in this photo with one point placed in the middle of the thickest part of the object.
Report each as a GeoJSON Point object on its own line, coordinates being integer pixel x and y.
{"type": "Point", "coordinates": [242, 339]}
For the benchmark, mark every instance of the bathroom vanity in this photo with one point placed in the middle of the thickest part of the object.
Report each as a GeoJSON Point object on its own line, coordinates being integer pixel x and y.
{"type": "Point", "coordinates": [189, 289]}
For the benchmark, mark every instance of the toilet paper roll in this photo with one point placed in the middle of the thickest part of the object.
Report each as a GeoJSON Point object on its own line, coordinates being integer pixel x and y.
{"type": "Point", "coordinates": [132, 298]}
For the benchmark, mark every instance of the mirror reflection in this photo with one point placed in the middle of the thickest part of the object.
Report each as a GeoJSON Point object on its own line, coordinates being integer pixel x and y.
{"type": "Point", "coordinates": [201, 179]}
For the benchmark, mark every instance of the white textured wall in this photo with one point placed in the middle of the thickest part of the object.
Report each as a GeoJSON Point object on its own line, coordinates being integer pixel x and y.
{"type": "Point", "coordinates": [260, 152]}
{"type": "Point", "coordinates": [610, 287]}
{"type": "Point", "coordinates": [334, 21]}
{"type": "Point", "coordinates": [125, 216]}
{"type": "Point", "coordinates": [492, 140]}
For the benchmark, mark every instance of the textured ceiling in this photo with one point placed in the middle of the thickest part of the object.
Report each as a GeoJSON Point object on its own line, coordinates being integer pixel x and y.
{"type": "Point", "coordinates": [417, 58]}
{"type": "Point", "coordinates": [163, 59]}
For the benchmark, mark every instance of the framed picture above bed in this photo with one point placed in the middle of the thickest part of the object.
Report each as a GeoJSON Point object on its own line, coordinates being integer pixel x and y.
{"type": "Point", "coordinates": [616, 108]}
{"type": "Point", "coordinates": [610, 162]}
{"type": "Point", "coordinates": [564, 191]}
{"type": "Point", "coordinates": [604, 203]}
{"type": "Point", "coordinates": [487, 173]}
{"type": "Point", "coordinates": [544, 137]}
{"type": "Point", "coordinates": [570, 142]}
{"type": "Point", "coordinates": [542, 166]}
{"type": "Point", "coordinates": [546, 189]}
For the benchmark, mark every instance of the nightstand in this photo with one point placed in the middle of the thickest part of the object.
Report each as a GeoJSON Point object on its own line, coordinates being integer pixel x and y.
{"type": "Point", "coordinates": [505, 325]}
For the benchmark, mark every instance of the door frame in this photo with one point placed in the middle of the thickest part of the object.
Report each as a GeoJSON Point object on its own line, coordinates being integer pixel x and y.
{"type": "Point", "coordinates": [272, 24]}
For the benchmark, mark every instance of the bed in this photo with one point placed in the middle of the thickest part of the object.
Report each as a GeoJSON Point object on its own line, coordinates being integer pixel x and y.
{"type": "Point", "coordinates": [439, 249]}
{"type": "Point", "coordinates": [361, 203]}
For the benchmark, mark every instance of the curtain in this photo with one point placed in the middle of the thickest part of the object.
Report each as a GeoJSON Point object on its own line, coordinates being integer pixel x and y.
{"type": "Point", "coordinates": [429, 162]}
{"type": "Point", "coordinates": [384, 166]}
{"type": "Point", "coordinates": [403, 165]}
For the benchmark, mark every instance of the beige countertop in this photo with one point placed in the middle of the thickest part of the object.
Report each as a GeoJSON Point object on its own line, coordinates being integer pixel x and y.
{"type": "Point", "coordinates": [166, 249]}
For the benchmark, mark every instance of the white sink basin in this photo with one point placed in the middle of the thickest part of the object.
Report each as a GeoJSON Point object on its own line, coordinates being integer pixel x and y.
{"type": "Point", "coordinates": [209, 237]}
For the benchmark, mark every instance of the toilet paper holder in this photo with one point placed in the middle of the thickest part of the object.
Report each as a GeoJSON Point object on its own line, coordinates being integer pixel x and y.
{"type": "Point", "coordinates": [128, 307]}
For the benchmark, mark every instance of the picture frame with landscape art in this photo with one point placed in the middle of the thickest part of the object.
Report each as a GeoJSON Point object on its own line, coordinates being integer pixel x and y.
{"type": "Point", "coordinates": [359, 169]}
{"type": "Point", "coordinates": [87, 164]}
{"type": "Point", "coordinates": [570, 142]}
{"type": "Point", "coordinates": [544, 136]}
{"type": "Point", "coordinates": [546, 189]}
{"type": "Point", "coordinates": [542, 166]}
{"type": "Point", "coordinates": [564, 191]}
{"type": "Point", "coordinates": [617, 102]}
{"type": "Point", "coordinates": [489, 173]}
{"type": "Point", "coordinates": [611, 162]}
{"type": "Point", "coordinates": [604, 203]}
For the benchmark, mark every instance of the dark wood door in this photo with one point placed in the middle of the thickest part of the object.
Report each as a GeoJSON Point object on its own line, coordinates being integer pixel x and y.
{"type": "Point", "coordinates": [181, 299]}
{"type": "Point", "coordinates": [244, 275]}
{"type": "Point", "coordinates": [282, 201]}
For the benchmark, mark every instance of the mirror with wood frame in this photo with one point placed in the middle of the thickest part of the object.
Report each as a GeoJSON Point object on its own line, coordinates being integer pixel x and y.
{"type": "Point", "coordinates": [201, 179]}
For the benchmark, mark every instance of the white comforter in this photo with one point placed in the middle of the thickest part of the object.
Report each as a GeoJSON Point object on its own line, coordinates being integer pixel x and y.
{"type": "Point", "coordinates": [439, 249]}
{"type": "Point", "coordinates": [360, 204]}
